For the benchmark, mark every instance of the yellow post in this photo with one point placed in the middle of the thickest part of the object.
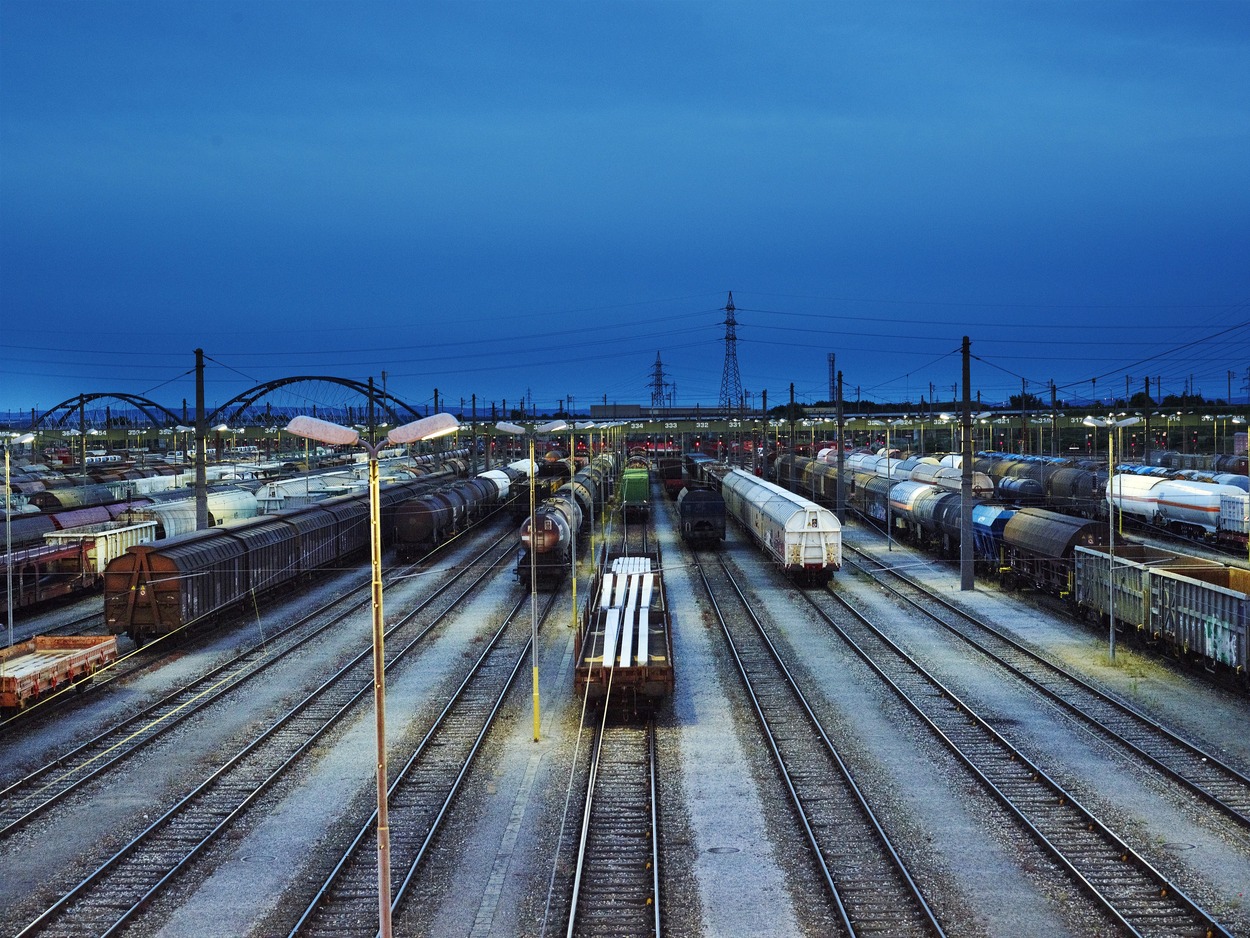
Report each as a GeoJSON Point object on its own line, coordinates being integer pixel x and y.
{"type": "Point", "coordinates": [379, 700]}
{"type": "Point", "coordinates": [573, 544]}
{"type": "Point", "coordinates": [533, 590]}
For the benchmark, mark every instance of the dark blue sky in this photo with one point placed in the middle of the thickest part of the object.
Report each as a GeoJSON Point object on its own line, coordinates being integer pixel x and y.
{"type": "Point", "coordinates": [496, 198]}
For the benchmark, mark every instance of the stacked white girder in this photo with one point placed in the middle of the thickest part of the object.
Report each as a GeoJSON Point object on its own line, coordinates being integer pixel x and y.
{"type": "Point", "coordinates": [625, 600]}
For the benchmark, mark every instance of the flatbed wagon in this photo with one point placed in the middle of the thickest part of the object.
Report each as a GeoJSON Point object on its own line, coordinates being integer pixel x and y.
{"type": "Point", "coordinates": [625, 638]}
{"type": "Point", "coordinates": [45, 664]}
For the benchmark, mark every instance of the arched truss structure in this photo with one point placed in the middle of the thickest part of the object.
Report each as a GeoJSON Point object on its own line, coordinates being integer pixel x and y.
{"type": "Point", "coordinates": [65, 414]}
{"type": "Point", "coordinates": [341, 400]}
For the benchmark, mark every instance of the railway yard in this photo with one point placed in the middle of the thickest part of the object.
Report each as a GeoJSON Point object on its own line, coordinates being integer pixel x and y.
{"type": "Point", "coordinates": [875, 752]}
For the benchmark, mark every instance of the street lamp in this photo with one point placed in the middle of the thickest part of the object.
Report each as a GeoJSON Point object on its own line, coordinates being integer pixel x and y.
{"type": "Point", "coordinates": [554, 426]}
{"type": "Point", "coordinates": [1112, 424]}
{"type": "Point", "coordinates": [8, 524]}
{"type": "Point", "coordinates": [312, 428]}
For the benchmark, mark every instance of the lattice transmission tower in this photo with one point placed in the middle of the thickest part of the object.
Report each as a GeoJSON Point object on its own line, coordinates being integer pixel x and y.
{"type": "Point", "coordinates": [658, 384]}
{"type": "Point", "coordinates": [730, 381]}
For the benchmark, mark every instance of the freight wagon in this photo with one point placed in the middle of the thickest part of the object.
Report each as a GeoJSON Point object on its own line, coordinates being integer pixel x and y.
{"type": "Point", "coordinates": [159, 588]}
{"type": "Point", "coordinates": [625, 639]}
{"type": "Point", "coordinates": [635, 493]}
{"type": "Point", "coordinates": [45, 664]}
{"type": "Point", "coordinates": [1194, 608]}
{"type": "Point", "coordinates": [547, 547]}
{"type": "Point", "coordinates": [701, 515]}
{"type": "Point", "coordinates": [804, 539]}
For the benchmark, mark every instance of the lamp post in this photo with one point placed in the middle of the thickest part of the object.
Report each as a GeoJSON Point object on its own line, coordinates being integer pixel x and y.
{"type": "Point", "coordinates": [1112, 424]}
{"type": "Point", "coordinates": [427, 428]}
{"type": "Point", "coordinates": [8, 525]}
{"type": "Point", "coordinates": [554, 426]}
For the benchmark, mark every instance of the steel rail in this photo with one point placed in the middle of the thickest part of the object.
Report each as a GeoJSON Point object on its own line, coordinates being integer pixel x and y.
{"type": "Point", "coordinates": [1196, 769]}
{"type": "Point", "coordinates": [353, 879]}
{"type": "Point", "coordinates": [1092, 854]}
{"type": "Point", "coordinates": [28, 797]}
{"type": "Point", "coordinates": [892, 892]}
{"type": "Point", "coordinates": [616, 885]}
{"type": "Point", "coordinates": [134, 881]}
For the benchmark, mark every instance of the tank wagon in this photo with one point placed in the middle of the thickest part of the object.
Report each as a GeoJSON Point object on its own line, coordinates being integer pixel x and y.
{"type": "Point", "coordinates": [176, 515]}
{"type": "Point", "coordinates": [429, 518]}
{"type": "Point", "coordinates": [625, 639]}
{"type": "Point", "coordinates": [701, 515]}
{"type": "Point", "coordinates": [546, 547]}
{"type": "Point", "coordinates": [804, 539]}
{"type": "Point", "coordinates": [165, 586]}
{"type": "Point", "coordinates": [1180, 504]}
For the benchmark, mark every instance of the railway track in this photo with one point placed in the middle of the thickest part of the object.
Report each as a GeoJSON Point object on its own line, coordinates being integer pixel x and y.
{"type": "Point", "coordinates": [1131, 891]}
{"type": "Point", "coordinates": [1195, 769]}
{"type": "Point", "coordinates": [29, 797]}
{"type": "Point", "coordinates": [866, 878]}
{"type": "Point", "coordinates": [117, 890]}
{"type": "Point", "coordinates": [616, 881]}
{"type": "Point", "coordinates": [421, 795]}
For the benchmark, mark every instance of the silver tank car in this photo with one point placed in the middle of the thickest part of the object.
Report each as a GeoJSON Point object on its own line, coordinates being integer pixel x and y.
{"type": "Point", "coordinates": [805, 539]}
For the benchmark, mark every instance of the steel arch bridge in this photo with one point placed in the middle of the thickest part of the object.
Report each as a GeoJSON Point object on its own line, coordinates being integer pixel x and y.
{"type": "Point", "coordinates": [268, 404]}
{"type": "Point", "coordinates": [59, 416]}
{"type": "Point", "coordinates": [321, 395]}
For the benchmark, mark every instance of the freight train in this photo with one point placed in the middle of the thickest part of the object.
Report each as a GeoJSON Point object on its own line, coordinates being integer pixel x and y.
{"type": "Point", "coordinates": [701, 515]}
{"type": "Point", "coordinates": [165, 586]}
{"type": "Point", "coordinates": [1188, 607]}
{"type": "Point", "coordinates": [1210, 504]}
{"type": "Point", "coordinates": [428, 519]}
{"type": "Point", "coordinates": [546, 547]}
{"type": "Point", "coordinates": [1213, 505]}
{"type": "Point", "coordinates": [634, 491]}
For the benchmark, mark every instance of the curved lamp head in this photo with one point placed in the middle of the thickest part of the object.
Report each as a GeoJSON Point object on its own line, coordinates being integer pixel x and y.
{"type": "Point", "coordinates": [427, 428]}
{"type": "Point", "coordinates": [322, 431]}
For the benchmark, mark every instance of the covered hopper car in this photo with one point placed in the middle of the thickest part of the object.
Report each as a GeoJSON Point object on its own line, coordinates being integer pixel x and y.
{"type": "Point", "coordinates": [802, 538]}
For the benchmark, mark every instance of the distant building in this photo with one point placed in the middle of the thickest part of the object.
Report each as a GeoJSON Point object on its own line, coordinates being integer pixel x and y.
{"type": "Point", "coordinates": [615, 411]}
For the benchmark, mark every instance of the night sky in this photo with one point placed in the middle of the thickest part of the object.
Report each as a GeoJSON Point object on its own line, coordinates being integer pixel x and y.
{"type": "Point", "coordinates": [508, 199]}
